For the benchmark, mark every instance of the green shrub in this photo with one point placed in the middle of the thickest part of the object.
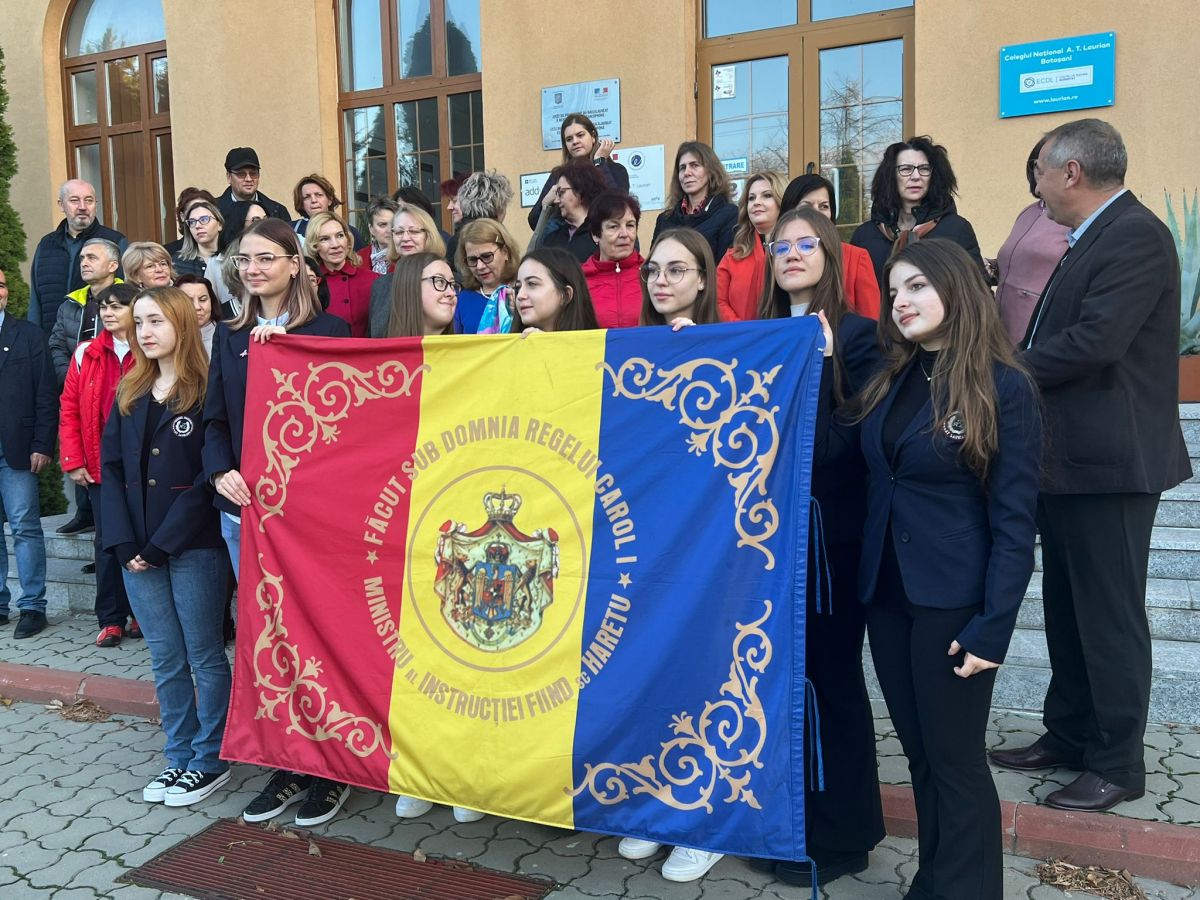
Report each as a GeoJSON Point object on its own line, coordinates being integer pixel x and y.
{"type": "Point", "coordinates": [1187, 245]}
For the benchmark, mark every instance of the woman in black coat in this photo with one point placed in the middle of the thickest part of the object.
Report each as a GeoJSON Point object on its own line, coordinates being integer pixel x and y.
{"type": "Point", "coordinates": [912, 198]}
{"type": "Point", "coordinates": [700, 198]}
{"type": "Point", "coordinates": [581, 140]}
{"type": "Point", "coordinates": [280, 300]}
{"type": "Point", "coordinates": [951, 434]}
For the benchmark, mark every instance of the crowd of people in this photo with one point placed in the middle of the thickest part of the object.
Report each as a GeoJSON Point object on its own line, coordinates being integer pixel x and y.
{"type": "Point", "coordinates": [966, 405]}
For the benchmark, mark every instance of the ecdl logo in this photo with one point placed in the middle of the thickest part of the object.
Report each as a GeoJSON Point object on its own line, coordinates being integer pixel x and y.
{"type": "Point", "coordinates": [636, 161]}
{"type": "Point", "coordinates": [1029, 81]}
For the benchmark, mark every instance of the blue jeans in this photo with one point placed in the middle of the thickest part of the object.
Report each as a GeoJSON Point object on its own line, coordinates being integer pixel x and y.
{"type": "Point", "coordinates": [19, 504]}
{"type": "Point", "coordinates": [180, 608]}
{"type": "Point", "coordinates": [231, 533]}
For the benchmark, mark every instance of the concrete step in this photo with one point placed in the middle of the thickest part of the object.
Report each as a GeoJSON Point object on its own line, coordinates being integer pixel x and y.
{"type": "Point", "coordinates": [1180, 507]}
{"type": "Point", "coordinates": [68, 590]}
{"type": "Point", "coordinates": [62, 546]}
{"type": "Point", "coordinates": [1174, 553]}
{"type": "Point", "coordinates": [1169, 609]}
{"type": "Point", "coordinates": [1023, 679]}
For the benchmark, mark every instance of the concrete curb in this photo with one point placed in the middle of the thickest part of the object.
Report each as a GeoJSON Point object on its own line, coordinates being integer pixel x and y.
{"type": "Point", "coordinates": [1158, 850]}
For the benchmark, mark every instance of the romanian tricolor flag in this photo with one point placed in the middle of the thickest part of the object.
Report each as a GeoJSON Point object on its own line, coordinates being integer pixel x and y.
{"type": "Point", "coordinates": [556, 578]}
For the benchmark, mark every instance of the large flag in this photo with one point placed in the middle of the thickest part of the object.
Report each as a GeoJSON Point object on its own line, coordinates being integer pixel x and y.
{"type": "Point", "coordinates": [557, 577]}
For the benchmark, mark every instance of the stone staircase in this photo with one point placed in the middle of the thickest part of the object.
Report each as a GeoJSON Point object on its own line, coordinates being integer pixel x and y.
{"type": "Point", "coordinates": [1172, 608]}
{"type": "Point", "coordinates": [68, 590]}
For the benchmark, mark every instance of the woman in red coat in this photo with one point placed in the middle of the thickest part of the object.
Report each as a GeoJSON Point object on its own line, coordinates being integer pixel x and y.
{"type": "Point", "coordinates": [327, 240]}
{"type": "Point", "coordinates": [859, 283]}
{"type": "Point", "coordinates": [87, 399]}
{"type": "Point", "coordinates": [741, 270]}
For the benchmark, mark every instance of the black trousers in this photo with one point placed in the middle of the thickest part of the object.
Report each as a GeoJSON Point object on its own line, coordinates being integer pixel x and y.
{"type": "Point", "coordinates": [112, 604]}
{"type": "Point", "coordinates": [1095, 552]}
{"type": "Point", "coordinates": [941, 721]}
{"type": "Point", "coordinates": [84, 504]}
{"type": "Point", "coordinates": [847, 816]}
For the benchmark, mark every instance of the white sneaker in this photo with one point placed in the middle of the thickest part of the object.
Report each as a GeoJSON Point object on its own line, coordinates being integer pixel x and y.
{"type": "Point", "coordinates": [192, 787]}
{"type": "Point", "coordinates": [156, 791]}
{"type": "Point", "coordinates": [411, 807]}
{"type": "Point", "coordinates": [636, 848]}
{"type": "Point", "coordinates": [462, 814]}
{"type": "Point", "coordinates": [686, 864]}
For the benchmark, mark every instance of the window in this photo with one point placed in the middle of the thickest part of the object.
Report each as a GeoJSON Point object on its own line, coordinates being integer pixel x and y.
{"type": "Point", "coordinates": [118, 113]}
{"type": "Point", "coordinates": [411, 98]}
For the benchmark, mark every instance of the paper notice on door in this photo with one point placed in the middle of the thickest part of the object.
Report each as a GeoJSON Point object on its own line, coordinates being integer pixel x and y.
{"type": "Point", "coordinates": [724, 82]}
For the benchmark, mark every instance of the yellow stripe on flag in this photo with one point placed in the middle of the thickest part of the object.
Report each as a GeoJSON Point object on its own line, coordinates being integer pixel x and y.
{"type": "Point", "coordinates": [493, 600]}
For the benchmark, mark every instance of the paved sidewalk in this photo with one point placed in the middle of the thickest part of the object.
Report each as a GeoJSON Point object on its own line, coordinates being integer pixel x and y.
{"type": "Point", "coordinates": [72, 821]}
{"type": "Point", "coordinates": [1172, 752]}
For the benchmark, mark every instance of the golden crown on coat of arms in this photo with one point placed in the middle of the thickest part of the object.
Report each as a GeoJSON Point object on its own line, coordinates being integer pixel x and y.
{"type": "Point", "coordinates": [501, 507]}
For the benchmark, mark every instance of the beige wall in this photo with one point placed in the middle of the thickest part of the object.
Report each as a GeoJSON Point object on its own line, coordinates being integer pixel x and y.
{"type": "Point", "coordinates": [1158, 95]}
{"type": "Point", "coordinates": [525, 49]}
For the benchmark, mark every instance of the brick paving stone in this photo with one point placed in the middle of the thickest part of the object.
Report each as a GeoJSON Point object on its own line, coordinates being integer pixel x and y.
{"type": "Point", "coordinates": [607, 877]}
{"type": "Point", "coordinates": [651, 885]}
{"type": "Point", "coordinates": [77, 831]}
{"type": "Point", "coordinates": [561, 868]}
{"type": "Point", "coordinates": [101, 877]}
{"type": "Point", "coordinates": [504, 853]}
{"type": "Point", "coordinates": [65, 868]}
{"type": "Point", "coordinates": [451, 846]}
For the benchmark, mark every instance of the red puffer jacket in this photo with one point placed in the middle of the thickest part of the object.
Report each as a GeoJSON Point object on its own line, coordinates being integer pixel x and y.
{"type": "Point", "coordinates": [616, 290]}
{"type": "Point", "coordinates": [87, 400]}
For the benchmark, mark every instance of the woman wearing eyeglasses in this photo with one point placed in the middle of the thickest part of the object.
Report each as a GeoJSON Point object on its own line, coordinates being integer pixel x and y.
{"type": "Point", "coordinates": [741, 270]}
{"type": "Point", "coordinates": [96, 368]}
{"type": "Point", "coordinates": [279, 299]}
{"type": "Point", "coordinates": [327, 240]}
{"type": "Point", "coordinates": [487, 255]}
{"type": "Point", "coordinates": [562, 223]}
{"type": "Point", "coordinates": [912, 197]}
{"type": "Point", "coordinates": [679, 285]}
{"type": "Point", "coordinates": [581, 140]}
{"type": "Point", "coordinates": [424, 297]}
{"type": "Point", "coordinates": [204, 243]}
{"type": "Point", "coordinates": [413, 231]}
{"type": "Point", "coordinates": [844, 822]}
{"type": "Point", "coordinates": [147, 264]}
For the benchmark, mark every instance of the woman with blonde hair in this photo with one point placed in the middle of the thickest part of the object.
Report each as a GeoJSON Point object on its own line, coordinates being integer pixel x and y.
{"type": "Point", "coordinates": [147, 264]}
{"type": "Point", "coordinates": [160, 522]}
{"type": "Point", "coordinates": [327, 241]}
{"type": "Point", "coordinates": [487, 256]}
{"type": "Point", "coordinates": [413, 231]}
{"type": "Point", "coordinates": [740, 271]}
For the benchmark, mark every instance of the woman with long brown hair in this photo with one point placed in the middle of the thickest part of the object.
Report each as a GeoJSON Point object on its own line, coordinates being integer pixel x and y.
{"type": "Point", "coordinates": [679, 286]}
{"type": "Point", "coordinates": [424, 297]}
{"type": "Point", "coordinates": [951, 434]}
{"type": "Point", "coordinates": [552, 294]}
{"type": "Point", "coordinates": [844, 822]}
{"type": "Point", "coordinates": [160, 523]}
{"type": "Point", "coordinates": [700, 197]}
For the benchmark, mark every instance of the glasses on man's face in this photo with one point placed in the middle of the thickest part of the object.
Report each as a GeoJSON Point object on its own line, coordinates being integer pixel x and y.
{"type": "Point", "coordinates": [262, 260]}
{"type": "Point", "coordinates": [924, 170]}
{"type": "Point", "coordinates": [485, 258]}
{"type": "Point", "coordinates": [674, 272]}
{"type": "Point", "coordinates": [440, 283]}
{"type": "Point", "coordinates": [413, 233]}
{"type": "Point", "coordinates": [805, 246]}
{"type": "Point", "coordinates": [199, 220]}
{"type": "Point", "coordinates": [245, 174]}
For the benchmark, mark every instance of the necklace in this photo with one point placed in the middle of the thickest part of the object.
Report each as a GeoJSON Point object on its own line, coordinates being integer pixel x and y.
{"type": "Point", "coordinates": [928, 375]}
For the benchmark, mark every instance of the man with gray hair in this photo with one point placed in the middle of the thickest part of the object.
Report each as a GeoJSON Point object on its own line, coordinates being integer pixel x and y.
{"type": "Point", "coordinates": [54, 272]}
{"type": "Point", "coordinates": [484, 195]}
{"type": "Point", "coordinates": [1102, 345]}
{"type": "Point", "coordinates": [76, 320]}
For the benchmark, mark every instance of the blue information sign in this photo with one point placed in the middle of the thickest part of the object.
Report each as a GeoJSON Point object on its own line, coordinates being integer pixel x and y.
{"type": "Point", "coordinates": [1052, 76]}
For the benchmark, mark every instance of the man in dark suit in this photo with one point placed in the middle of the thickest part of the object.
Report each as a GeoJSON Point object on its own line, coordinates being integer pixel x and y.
{"type": "Point", "coordinates": [1102, 345]}
{"type": "Point", "coordinates": [28, 426]}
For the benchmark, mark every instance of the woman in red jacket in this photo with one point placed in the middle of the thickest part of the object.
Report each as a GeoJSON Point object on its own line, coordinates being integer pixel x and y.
{"type": "Point", "coordinates": [859, 283]}
{"type": "Point", "coordinates": [327, 240]}
{"type": "Point", "coordinates": [740, 272]}
{"type": "Point", "coordinates": [87, 399]}
{"type": "Point", "coordinates": [612, 272]}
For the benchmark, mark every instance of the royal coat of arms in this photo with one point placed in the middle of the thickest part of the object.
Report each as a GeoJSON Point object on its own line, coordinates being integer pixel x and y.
{"type": "Point", "coordinates": [496, 581]}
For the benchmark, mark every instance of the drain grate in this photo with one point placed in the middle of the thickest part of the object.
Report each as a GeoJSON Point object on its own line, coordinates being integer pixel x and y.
{"type": "Point", "coordinates": [234, 861]}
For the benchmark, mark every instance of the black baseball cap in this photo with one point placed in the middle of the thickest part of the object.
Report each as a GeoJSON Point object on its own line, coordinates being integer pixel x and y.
{"type": "Point", "coordinates": [241, 158]}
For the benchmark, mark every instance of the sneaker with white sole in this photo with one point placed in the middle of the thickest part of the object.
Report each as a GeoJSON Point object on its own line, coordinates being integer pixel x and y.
{"type": "Point", "coordinates": [156, 790]}
{"type": "Point", "coordinates": [284, 789]}
{"type": "Point", "coordinates": [324, 799]}
{"type": "Point", "coordinates": [686, 864]}
{"type": "Point", "coordinates": [410, 807]}
{"type": "Point", "coordinates": [636, 848]}
{"type": "Point", "coordinates": [192, 787]}
{"type": "Point", "coordinates": [462, 814]}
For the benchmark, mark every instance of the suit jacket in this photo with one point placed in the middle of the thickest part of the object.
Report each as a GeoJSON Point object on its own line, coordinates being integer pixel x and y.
{"type": "Point", "coordinates": [225, 401]}
{"type": "Point", "coordinates": [1105, 354]}
{"type": "Point", "coordinates": [28, 393]}
{"type": "Point", "coordinates": [170, 504]}
{"type": "Point", "coordinates": [959, 541]}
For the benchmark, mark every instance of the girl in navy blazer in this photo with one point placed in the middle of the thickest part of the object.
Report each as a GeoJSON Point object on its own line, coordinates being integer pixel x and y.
{"type": "Point", "coordinates": [844, 822]}
{"type": "Point", "coordinates": [280, 299]}
{"type": "Point", "coordinates": [160, 523]}
{"type": "Point", "coordinates": [951, 434]}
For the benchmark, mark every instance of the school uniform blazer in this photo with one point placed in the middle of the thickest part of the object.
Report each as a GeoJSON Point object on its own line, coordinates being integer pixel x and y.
{"type": "Point", "coordinates": [225, 403]}
{"type": "Point", "coordinates": [170, 507]}
{"type": "Point", "coordinates": [959, 541]}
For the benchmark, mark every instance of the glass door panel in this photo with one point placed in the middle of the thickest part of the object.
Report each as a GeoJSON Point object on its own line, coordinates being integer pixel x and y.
{"type": "Point", "coordinates": [750, 126]}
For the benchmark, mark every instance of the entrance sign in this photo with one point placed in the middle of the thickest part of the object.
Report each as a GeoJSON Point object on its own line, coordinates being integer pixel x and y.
{"type": "Point", "coordinates": [600, 101]}
{"type": "Point", "coordinates": [1058, 75]}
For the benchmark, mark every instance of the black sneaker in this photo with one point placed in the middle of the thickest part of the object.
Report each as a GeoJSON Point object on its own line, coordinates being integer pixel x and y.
{"type": "Point", "coordinates": [77, 525]}
{"type": "Point", "coordinates": [29, 624]}
{"type": "Point", "coordinates": [192, 787]}
{"type": "Point", "coordinates": [324, 799]}
{"type": "Point", "coordinates": [156, 790]}
{"type": "Point", "coordinates": [284, 789]}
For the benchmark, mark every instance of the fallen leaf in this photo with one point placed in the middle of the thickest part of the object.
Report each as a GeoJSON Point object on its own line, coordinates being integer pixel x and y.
{"type": "Point", "coordinates": [290, 835]}
{"type": "Point", "coordinates": [261, 890]}
{"type": "Point", "coordinates": [419, 856]}
{"type": "Point", "coordinates": [271, 826]}
{"type": "Point", "coordinates": [313, 849]}
{"type": "Point", "coordinates": [7, 701]}
{"type": "Point", "coordinates": [220, 860]}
